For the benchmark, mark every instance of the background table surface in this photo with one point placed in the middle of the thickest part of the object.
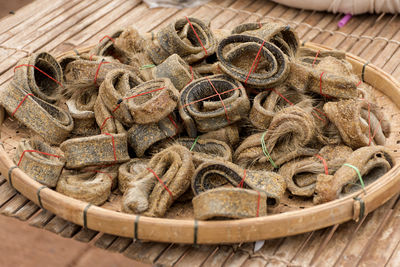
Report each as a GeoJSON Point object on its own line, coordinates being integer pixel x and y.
{"type": "Point", "coordinates": [58, 26]}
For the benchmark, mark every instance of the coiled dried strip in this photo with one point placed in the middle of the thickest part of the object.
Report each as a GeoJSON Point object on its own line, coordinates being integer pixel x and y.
{"type": "Point", "coordinates": [116, 85]}
{"type": "Point", "coordinates": [286, 138]}
{"type": "Point", "coordinates": [267, 103]}
{"type": "Point", "coordinates": [281, 35]}
{"type": "Point", "coordinates": [174, 167]}
{"type": "Point", "coordinates": [372, 162]}
{"type": "Point", "coordinates": [142, 136]}
{"type": "Point", "coordinates": [177, 70]}
{"type": "Point", "coordinates": [243, 53]}
{"type": "Point", "coordinates": [92, 186]}
{"type": "Point", "coordinates": [301, 174]}
{"type": "Point", "coordinates": [95, 150]}
{"type": "Point", "coordinates": [359, 122]}
{"type": "Point", "coordinates": [44, 168]}
{"type": "Point", "coordinates": [81, 108]}
{"type": "Point", "coordinates": [179, 38]}
{"type": "Point", "coordinates": [151, 101]}
{"type": "Point", "coordinates": [208, 176]}
{"type": "Point", "coordinates": [211, 103]}
{"type": "Point", "coordinates": [35, 81]}
{"type": "Point", "coordinates": [49, 121]}
{"type": "Point", "coordinates": [232, 203]}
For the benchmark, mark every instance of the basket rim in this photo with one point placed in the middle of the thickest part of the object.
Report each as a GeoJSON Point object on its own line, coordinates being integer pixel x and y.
{"type": "Point", "coordinates": [191, 231]}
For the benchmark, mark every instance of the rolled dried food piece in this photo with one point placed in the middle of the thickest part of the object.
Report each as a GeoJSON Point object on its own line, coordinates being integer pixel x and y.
{"type": "Point", "coordinates": [229, 203]}
{"type": "Point", "coordinates": [359, 122]}
{"type": "Point", "coordinates": [190, 38]}
{"type": "Point", "coordinates": [177, 70]}
{"type": "Point", "coordinates": [313, 56]}
{"type": "Point", "coordinates": [92, 186]}
{"type": "Point", "coordinates": [116, 85]}
{"type": "Point", "coordinates": [105, 120]}
{"type": "Point", "coordinates": [151, 101]}
{"type": "Point", "coordinates": [364, 166]}
{"type": "Point", "coordinates": [49, 121]}
{"type": "Point", "coordinates": [283, 36]}
{"type": "Point", "coordinates": [331, 78]}
{"type": "Point", "coordinates": [95, 150]}
{"type": "Point", "coordinates": [267, 103]}
{"type": "Point", "coordinates": [84, 71]}
{"type": "Point", "coordinates": [286, 138]}
{"type": "Point", "coordinates": [81, 107]}
{"type": "Point", "coordinates": [211, 103]}
{"type": "Point", "coordinates": [40, 161]}
{"type": "Point", "coordinates": [211, 175]}
{"type": "Point", "coordinates": [202, 149]}
{"type": "Point", "coordinates": [166, 178]}
{"type": "Point", "coordinates": [142, 136]}
{"type": "Point", "coordinates": [253, 61]}
{"type": "Point", "coordinates": [41, 75]}
{"type": "Point", "coordinates": [301, 174]}
{"type": "Point", "coordinates": [129, 171]}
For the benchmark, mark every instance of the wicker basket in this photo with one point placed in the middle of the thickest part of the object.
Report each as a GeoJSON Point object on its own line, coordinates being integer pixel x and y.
{"type": "Point", "coordinates": [182, 230]}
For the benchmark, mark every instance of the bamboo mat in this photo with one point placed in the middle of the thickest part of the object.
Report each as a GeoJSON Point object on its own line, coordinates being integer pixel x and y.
{"type": "Point", "coordinates": [58, 26]}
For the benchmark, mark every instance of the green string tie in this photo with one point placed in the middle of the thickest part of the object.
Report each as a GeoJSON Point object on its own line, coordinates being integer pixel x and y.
{"type": "Point", "coordinates": [358, 173]}
{"type": "Point", "coordinates": [266, 151]}
{"type": "Point", "coordinates": [147, 67]}
{"type": "Point", "coordinates": [194, 143]}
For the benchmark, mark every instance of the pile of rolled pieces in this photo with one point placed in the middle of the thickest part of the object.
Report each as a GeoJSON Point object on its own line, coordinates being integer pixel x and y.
{"type": "Point", "coordinates": [231, 121]}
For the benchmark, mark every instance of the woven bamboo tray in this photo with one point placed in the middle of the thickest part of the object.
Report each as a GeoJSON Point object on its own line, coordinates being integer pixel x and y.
{"type": "Point", "coordinates": [296, 217]}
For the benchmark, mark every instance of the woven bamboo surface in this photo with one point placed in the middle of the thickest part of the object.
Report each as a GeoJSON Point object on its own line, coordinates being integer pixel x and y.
{"type": "Point", "coordinates": [59, 26]}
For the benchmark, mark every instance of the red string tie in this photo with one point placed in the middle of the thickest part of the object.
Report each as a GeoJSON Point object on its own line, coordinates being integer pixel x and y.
{"type": "Point", "coordinates": [161, 182]}
{"type": "Point", "coordinates": [287, 100]}
{"type": "Point", "coordinates": [254, 62]}
{"type": "Point", "coordinates": [106, 36]}
{"type": "Point", "coordinates": [98, 69]}
{"type": "Point", "coordinates": [174, 123]}
{"type": "Point", "coordinates": [315, 59]}
{"type": "Point", "coordinates": [324, 163]}
{"type": "Point", "coordinates": [211, 96]}
{"type": "Point", "coordinates": [198, 38]}
{"type": "Point", "coordinates": [20, 103]}
{"type": "Point", "coordinates": [241, 184]}
{"type": "Point", "coordinates": [104, 122]}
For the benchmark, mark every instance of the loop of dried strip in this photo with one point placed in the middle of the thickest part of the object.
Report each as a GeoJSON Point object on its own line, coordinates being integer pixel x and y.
{"type": "Point", "coordinates": [359, 122]}
{"type": "Point", "coordinates": [213, 174]}
{"type": "Point", "coordinates": [371, 162]}
{"type": "Point", "coordinates": [177, 70]}
{"type": "Point", "coordinates": [116, 85]}
{"type": "Point", "coordinates": [211, 103]}
{"type": "Point", "coordinates": [230, 203]}
{"type": "Point", "coordinates": [81, 107]}
{"type": "Point", "coordinates": [52, 123]}
{"type": "Point", "coordinates": [87, 72]}
{"type": "Point", "coordinates": [171, 169]}
{"type": "Point", "coordinates": [142, 136]}
{"type": "Point", "coordinates": [253, 61]}
{"type": "Point", "coordinates": [40, 74]}
{"type": "Point", "coordinates": [286, 138]}
{"type": "Point", "coordinates": [43, 167]}
{"type": "Point", "coordinates": [97, 150]}
{"type": "Point", "coordinates": [91, 186]}
{"type": "Point", "coordinates": [281, 35]}
{"type": "Point", "coordinates": [190, 38]}
{"type": "Point", "coordinates": [151, 101]}
{"type": "Point", "coordinates": [266, 104]}
{"type": "Point", "coordinates": [301, 174]}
